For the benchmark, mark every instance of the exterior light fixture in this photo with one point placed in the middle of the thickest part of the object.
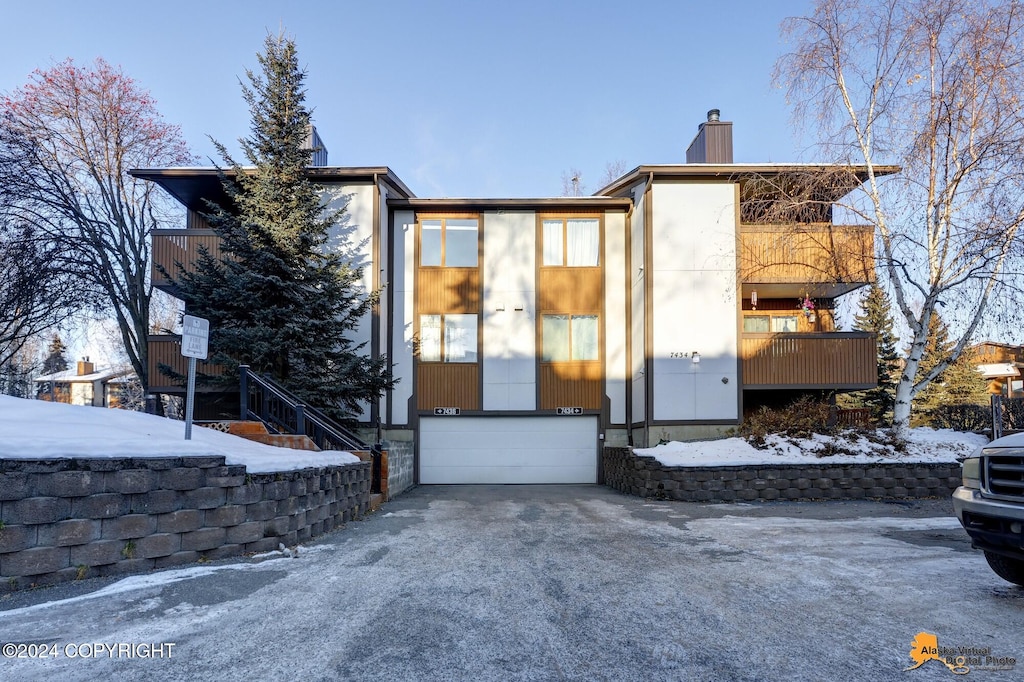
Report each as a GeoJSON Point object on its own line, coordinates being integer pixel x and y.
{"type": "Point", "coordinates": [695, 356]}
{"type": "Point", "coordinates": [753, 300]}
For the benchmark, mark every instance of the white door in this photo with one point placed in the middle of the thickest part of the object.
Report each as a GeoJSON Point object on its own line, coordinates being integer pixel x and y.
{"type": "Point", "coordinates": [508, 449]}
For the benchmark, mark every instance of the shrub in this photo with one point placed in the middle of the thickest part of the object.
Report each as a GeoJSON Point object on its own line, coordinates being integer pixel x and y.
{"type": "Point", "coordinates": [964, 417]}
{"type": "Point", "coordinates": [800, 419]}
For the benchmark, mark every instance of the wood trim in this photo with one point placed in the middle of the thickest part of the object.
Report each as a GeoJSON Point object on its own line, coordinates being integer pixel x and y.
{"type": "Point", "coordinates": [570, 290]}
{"type": "Point", "coordinates": [441, 290]}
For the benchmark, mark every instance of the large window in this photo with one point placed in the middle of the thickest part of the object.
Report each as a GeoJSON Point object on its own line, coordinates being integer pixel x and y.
{"type": "Point", "coordinates": [572, 242]}
{"type": "Point", "coordinates": [569, 337]}
{"type": "Point", "coordinates": [448, 338]}
{"type": "Point", "coordinates": [449, 242]}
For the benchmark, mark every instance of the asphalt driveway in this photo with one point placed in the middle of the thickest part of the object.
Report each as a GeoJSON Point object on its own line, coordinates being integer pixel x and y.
{"type": "Point", "coordinates": [544, 583]}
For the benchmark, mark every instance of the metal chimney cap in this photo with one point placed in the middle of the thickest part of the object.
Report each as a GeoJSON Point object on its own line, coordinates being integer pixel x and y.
{"type": "Point", "coordinates": [713, 115]}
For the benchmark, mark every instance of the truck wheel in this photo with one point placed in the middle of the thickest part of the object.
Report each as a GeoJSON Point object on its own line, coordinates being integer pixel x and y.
{"type": "Point", "coordinates": [1011, 570]}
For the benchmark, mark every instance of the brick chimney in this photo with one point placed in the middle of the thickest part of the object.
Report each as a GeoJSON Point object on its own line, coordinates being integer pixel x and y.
{"type": "Point", "coordinates": [713, 143]}
{"type": "Point", "coordinates": [85, 367]}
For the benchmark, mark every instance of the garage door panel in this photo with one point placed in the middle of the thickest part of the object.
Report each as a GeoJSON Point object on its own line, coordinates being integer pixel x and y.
{"type": "Point", "coordinates": [508, 450]}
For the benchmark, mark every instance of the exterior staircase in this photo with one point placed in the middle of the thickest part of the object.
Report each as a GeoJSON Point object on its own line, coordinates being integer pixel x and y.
{"type": "Point", "coordinates": [272, 415]}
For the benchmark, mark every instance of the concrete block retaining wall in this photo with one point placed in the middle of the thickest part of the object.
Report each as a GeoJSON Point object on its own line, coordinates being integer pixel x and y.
{"type": "Point", "coordinates": [646, 477]}
{"type": "Point", "coordinates": [400, 467]}
{"type": "Point", "coordinates": [66, 519]}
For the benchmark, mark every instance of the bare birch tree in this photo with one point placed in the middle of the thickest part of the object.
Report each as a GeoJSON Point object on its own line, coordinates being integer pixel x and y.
{"type": "Point", "coordinates": [933, 86]}
{"type": "Point", "coordinates": [78, 131]}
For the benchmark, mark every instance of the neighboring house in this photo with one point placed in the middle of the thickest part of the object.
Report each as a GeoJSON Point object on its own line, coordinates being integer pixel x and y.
{"type": "Point", "coordinates": [529, 333]}
{"type": "Point", "coordinates": [1001, 364]}
{"type": "Point", "coordinates": [84, 385]}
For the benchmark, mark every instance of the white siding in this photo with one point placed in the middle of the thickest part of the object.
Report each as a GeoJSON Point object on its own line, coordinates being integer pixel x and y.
{"type": "Point", "coordinates": [403, 279]}
{"type": "Point", "coordinates": [694, 301]}
{"type": "Point", "coordinates": [615, 323]}
{"type": "Point", "coordinates": [355, 232]}
{"type": "Point", "coordinates": [636, 274]}
{"type": "Point", "coordinates": [509, 321]}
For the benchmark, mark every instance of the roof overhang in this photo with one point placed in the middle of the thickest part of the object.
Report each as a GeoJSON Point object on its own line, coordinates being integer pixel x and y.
{"type": "Point", "coordinates": [841, 178]}
{"type": "Point", "coordinates": [194, 186]}
{"type": "Point", "coordinates": [997, 370]}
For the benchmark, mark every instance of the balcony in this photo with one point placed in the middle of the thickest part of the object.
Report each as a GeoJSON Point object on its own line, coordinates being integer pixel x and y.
{"type": "Point", "coordinates": [171, 247]}
{"type": "Point", "coordinates": [165, 349]}
{"type": "Point", "coordinates": [820, 259]}
{"type": "Point", "coordinates": [836, 360]}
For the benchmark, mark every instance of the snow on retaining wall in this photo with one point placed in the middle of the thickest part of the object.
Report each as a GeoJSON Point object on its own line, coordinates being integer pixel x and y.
{"type": "Point", "coordinates": [646, 477]}
{"type": "Point", "coordinates": [66, 519]}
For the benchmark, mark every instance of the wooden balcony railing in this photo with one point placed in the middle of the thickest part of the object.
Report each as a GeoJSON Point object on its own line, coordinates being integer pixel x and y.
{"type": "Point", "coordinates": [806, 254]}
{"type": "Point", "coordinates": [166, 349]}
{"type": "Point", "coordinates": [836, 360]}
{"type": "Point", "coordinates": [171, 247]}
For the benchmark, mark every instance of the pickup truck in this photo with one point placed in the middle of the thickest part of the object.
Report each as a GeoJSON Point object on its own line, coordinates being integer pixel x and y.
{"type": "Point", "coordinates": [990, 504]}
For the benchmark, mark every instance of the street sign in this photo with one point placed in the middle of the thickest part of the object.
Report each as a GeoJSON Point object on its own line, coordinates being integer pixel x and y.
{"type": "Point", "coordinates": [195, 337]}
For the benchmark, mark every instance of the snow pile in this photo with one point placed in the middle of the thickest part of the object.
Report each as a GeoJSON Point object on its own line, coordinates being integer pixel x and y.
{"type": "Point", "coordinates": [923, 445]}
{"type": "Point", "coordinates": [34, 429]}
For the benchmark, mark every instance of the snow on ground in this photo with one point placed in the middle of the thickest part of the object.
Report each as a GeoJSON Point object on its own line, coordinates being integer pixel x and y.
{"type": "Point", "coordinates": [922, 445]}
{"type": "Point", "coordinates": [35, 429]}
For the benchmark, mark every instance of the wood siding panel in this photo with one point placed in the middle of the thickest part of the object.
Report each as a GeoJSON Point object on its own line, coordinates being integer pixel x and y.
{"type": "Point", "coordinates": [570, 290]}
{"type": "Point", "coordinates": [837, 360]}
{"type": "Point", "coordinates": [807, 253]}
{"type": "Point", "coordinates": [447, 385]}
{"type": "Point", "coordinates": [448, 290]}
{"type": "Point", "coordinates": [571, 384]}
{"type": "Point", "coordinates": [166, 349]}
{"type": "Point", "coordinates": [180, 246]}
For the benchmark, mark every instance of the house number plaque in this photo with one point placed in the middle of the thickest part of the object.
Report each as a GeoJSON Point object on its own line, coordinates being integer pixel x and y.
{"type": "Point", "coordinates": [447, 411]}
{"type": "Point", "coordinates": [569, 410]}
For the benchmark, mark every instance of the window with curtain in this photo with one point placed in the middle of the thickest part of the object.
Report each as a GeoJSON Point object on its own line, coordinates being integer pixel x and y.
{"type": "Point", "coordinates": [572, 242]}
{"type": "Point", "coordinates": [449, 337]}
{"type": "Point", "coordinates": [569, 337]}
{"type": "Point", "coordinates": [449, 242]}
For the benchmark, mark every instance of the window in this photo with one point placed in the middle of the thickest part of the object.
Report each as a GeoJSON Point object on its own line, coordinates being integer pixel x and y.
{"type": "Point", "coordinates": [756, 324]}
{"type": "Point", "coordinates": [569, 337]}
{"type": "Point", "coordinates": [450, 336]}
{"type": "Point", "coordinates": [783, 323]}
{"type": "Point", "coordinates": [762, 324]}
{"type": "Point", "coordinates": [572, 242]}
{"type": "Point", "coordinates": [449, 242]}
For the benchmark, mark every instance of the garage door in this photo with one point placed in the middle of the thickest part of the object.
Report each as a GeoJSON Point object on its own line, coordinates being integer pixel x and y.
{"type": "Point", "coordinates": [508, 450]}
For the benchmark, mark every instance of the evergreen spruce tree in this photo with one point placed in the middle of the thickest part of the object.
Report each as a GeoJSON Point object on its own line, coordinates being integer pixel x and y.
{"type": "Point", "coordinates": [283, 297]}
{"type": "Point", "coordinates": [937, 348]}
{"type": "Point", "coordinates": [876, 316]}
{"type": "Point", "coordinates": [964, 384]}
{"type": "Point", "coordinates": [55, 360]}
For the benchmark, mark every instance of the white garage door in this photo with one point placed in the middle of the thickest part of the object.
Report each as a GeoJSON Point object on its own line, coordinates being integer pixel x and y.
{"type": "Point", "coordinates": [508, 450]}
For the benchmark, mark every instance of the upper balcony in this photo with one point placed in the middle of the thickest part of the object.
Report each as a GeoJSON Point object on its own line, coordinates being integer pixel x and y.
{"type": "Point", "coordinates": [831, 361]}
{"type": "Point", "coordinates": [171, 247]}
{"type": "Point", "coordinates": [820, 260]}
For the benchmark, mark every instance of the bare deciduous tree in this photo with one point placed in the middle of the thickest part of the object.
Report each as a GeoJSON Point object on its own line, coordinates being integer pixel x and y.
{"type": "Point", "coordinates": [934, 86]}
{"type": "Point", "coordinates": [79, 131]}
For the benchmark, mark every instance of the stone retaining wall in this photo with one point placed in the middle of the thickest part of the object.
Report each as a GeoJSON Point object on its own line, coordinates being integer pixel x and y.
{"type": "Point", "coordinates": [646, 477]}
{"type": "Point", "coordinates": [66, 519]}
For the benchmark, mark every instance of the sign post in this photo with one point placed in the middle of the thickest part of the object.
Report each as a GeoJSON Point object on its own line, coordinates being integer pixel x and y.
{"type": "Point", "coordinates": [195, 341]}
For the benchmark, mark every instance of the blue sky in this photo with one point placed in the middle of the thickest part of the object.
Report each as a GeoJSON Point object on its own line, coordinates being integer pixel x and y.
{"type": "Point", "coordinates": [458, 98]}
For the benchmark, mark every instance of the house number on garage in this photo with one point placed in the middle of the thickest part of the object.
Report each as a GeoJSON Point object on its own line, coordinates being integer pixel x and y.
{"type": "Point", "coordinates": [569, 410]}
{"type": "Point", "coordinates": [447, 411]}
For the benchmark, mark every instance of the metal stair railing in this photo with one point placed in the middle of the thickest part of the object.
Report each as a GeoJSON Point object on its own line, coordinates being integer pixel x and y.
{"type": "Point", "coordinates": [265, 400]}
